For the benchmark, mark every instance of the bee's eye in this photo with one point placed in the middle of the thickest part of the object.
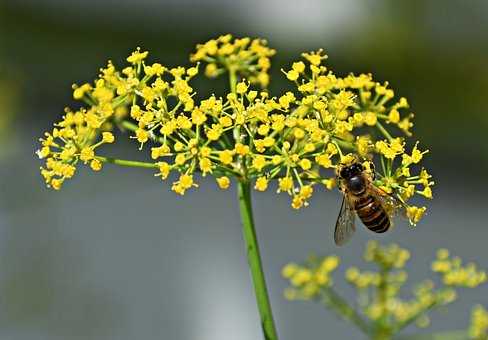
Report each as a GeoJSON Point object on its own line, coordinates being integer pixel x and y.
{"type": "Point", "coordinates": [344, 173]}
{"type": "Point", "coordinates": [360, 167]}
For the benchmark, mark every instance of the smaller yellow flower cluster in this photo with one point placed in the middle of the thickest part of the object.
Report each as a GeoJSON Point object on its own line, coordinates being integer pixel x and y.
{"type": "Point", "coordinates": [365, 279]}
{"type": "Point", "coordinates": [455, 274]}
{"type": "Point", "coordinates": [387, 284]}
{"type": "Point", "coordinates": [307, 281]}
{"type": "Point", "coordinates": [248, 58]}
{"type": "Point", "coordinates": [378, 291]}
{"type": "Point", "coordinates": [478, 328]}
{"type": "Point", "coordinates": [74, 139]}
{"type": "Point", "coordinates": [391, 256]}
{"type": "Point", "coordinates": [345, 105]}
{"type": "Point", "coordinates": [404, 310]}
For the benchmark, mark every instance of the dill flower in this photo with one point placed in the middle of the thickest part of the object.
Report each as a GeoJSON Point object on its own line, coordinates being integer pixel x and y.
{"type": "Point", "coordinates": [455, 274]}
{"type": "Point", "coordinates": [248, 58]}
{"type": "Point", "coordinates": [381, 310]}
{"type": "Point", "coordinates": [295, 140]}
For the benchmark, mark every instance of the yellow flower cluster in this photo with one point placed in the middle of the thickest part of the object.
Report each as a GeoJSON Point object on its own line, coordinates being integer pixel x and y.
{"type": "Point", "coordinates": [478, 328]}
{"type": "Point", "coordinates": [388, 282]}
{"type": "Point", "coordinates": [455, 274]}
{"type": "Point", "coordinates": [378, 291]}
{"type": "Point", "coordinates": [391, 256]}
{"type": "Point", "coordinates": [74, 139]}
{"type": "Point", "coordinates": [306, 281]}
{"type": "Point", "coordinates": [247, 58]}
{"type": "Point", "coordinates": [295, 140]}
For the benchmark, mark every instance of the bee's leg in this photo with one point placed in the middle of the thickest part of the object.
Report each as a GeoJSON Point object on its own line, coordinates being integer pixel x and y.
{"type": "Point", "coordinates": [371, 166]}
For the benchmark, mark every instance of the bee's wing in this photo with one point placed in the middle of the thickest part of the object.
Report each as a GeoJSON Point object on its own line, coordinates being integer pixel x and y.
{"type": "Point", "coordinates": [393, 206]}
{"type": "Point", "coordinates": [345, 223]}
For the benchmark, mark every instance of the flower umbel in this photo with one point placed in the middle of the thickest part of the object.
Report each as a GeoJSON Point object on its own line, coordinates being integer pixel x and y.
{"type": "Point", "coordinates": [381, 312]}
{"type": "Point", "coordinates": [295, 139]}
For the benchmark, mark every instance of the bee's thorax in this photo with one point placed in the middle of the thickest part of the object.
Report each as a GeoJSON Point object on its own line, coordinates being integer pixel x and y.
{"type": "Point", "coordinates": [356, 185]}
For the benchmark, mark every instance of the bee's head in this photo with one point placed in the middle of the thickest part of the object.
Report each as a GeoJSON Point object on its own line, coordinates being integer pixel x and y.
{"type": "Point", "coordinates": [350, 171]}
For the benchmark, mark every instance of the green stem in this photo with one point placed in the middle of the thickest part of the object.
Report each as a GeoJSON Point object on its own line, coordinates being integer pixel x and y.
{"type": "Point", "coordinates": [232, 80]}
{"type": "Point", "coordinates": [414, 317]}
{"type": "Point", "coordinates": [254, 261]}
{"type": "Point", "coordinates": [384, 131]}
{"type": "Point", "coordinates": [336, 302]}
{"type": "Point", "coordinates": [129, 125]}
{"type": "Point", "coordinates": [125, 162]}
{"type": "Point", "coordinates": [345, 144]}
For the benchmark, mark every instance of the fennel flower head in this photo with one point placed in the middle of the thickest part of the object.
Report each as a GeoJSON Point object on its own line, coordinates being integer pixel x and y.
{"type": "Point", "coordinates": [293, 141]}
{"type": "Point", "coordinates": [381, 299]}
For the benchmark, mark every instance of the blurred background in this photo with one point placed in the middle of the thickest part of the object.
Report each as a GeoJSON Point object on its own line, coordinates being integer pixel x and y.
{"type": "Point", "coordinates": [117, 255]}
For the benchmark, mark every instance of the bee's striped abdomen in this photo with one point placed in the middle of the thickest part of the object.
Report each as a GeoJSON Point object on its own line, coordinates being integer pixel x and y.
{"type": "Point", "coordinates": [372, 214]}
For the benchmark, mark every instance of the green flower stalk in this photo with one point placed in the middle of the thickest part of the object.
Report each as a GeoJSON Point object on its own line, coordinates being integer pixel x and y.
{"type": "Point", "coordinates": [381, 312]}
{"type": "Point", "coordinates": [294, 140]}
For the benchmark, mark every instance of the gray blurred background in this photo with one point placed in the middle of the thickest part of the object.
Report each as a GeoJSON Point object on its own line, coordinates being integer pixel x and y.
{"type": "Point", "coordinates": [117, 255]}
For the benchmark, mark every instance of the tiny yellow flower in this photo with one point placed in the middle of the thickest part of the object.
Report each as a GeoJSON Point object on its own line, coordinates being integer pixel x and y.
{"type": "Point", "coordinates": [297, 202]}
{"type": "Point", "coordinates": [241, 149]}
{"type": "Point", "coordinates": [164, 169]}
{"type": "Point", "coordinates": [205, 151]}
{"type": "Point", "coordinates": [180, 159]}
{"type": "Point", "coordinates": [96, 165]}
{"type": "Point", "coordinates": [56, 184]}
{"type": "Point", "coordinates": [301, 277]}
{"type": "Point", "coordinates": [198, 117]}
{"type": "Point", "coordinates": [330, 263]}
{"type": "Point", "coordinates": [259, 162]}
{"type": "Point", "coordinates": [223, 182]}
{"type": "Point", "coordinates": [186, 181]}
{"type": "Point", "coordinates": [211, 70]}
{"type": "Point", "coordinates": [205, 165]}
{"type": "Point", "coordinates": [427, 192]}
{"type": "Point", "coordinates": [137, 56]}
{"type": "Point", "coordinates": [329, 183]}
{"type": "Point", "coordinates": [192, 71]}
{"type": "Point", "coordinates": [315, 58]}
{"type": "Point", "coordinates": [241, 88]}
{"type": "Point", "coordinates": [142, 135]}
{"type": "Point", "coordinates": [305, 164]}
{"type": "Point", "coordinates": [298, 66]}
{"type": "Point", "coordinates": [44, 152]}
{"type": "Point", "coordinates": [285, 184]}
{"type": "Point", "coordinates": [394, 116]}
{"type": "Point", "coordinates": [299, 133]}
{"type": "Point", "coordinates": [324, 161]}
{"type": "Point", "coordinates": [276, 160]}
{"type": "Point", "coordinates": [87, 154]}
{"type": "Point", "coordinates": [306, 191]}
{"type": "Point", "coordinates": [415, 214]}
{"type": "Point", "coordinates": [370, 118]}
{"type": "Point", "coordinates": [261, 184]}
{"type": "Point", "coordinates": [108, 137]}
{"type": "Point", "coordinates": [289, 270]}
{"type": "Point", "coordinates": [352, 274]}
{"type": "Point", "coordinates": [292, 75]}
{"type": "Point", "coordinates": [263, 129]}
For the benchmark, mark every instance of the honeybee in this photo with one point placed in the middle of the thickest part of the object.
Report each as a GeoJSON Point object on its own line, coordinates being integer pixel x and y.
{"type": "Point", "coordinates": [374, 207]}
